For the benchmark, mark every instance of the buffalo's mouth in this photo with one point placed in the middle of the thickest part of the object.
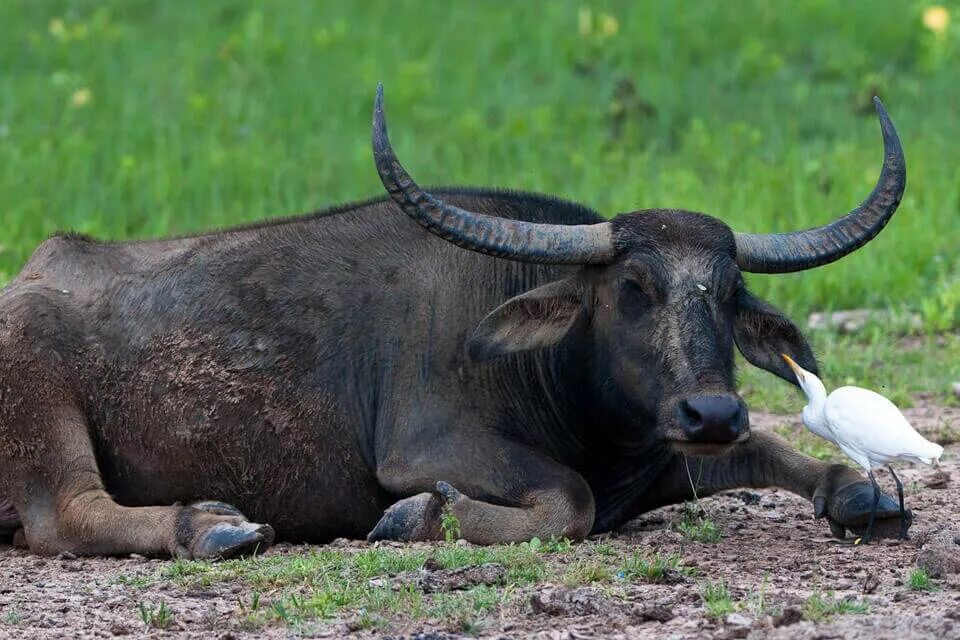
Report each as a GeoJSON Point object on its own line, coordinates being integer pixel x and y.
{"type": "Point", "coordinates": [706, 448]}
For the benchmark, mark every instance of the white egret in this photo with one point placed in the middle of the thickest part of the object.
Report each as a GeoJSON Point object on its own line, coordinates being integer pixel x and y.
{"type": "Point", "coordinates": [868, 428]}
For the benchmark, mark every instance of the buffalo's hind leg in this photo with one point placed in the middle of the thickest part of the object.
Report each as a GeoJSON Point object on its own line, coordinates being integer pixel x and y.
{"type": "Point", "coordinates": [59, 495]}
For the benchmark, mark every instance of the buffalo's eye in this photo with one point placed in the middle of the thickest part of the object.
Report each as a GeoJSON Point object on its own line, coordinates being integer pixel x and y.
{"type": "Point", "coordinates": [729, 285]}
{"type": "Point", "coordinates": [731, 289]}
{"type": "Point", "coordinates": [632, 299]}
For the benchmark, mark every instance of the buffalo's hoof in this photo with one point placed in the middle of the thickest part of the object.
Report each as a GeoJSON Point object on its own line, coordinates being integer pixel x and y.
{"type": "Point", "coordinates": [849, 509]}
{"type": "Point", "coordinates": [450, 493]}
{"type": "Point", "coordinates": [226, 540]}
{"type": "Point", "coordinates": [414, 518]}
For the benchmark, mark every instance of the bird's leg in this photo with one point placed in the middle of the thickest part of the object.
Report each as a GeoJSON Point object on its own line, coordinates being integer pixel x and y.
{"type": "Point", "coordinates": [873, 512]}
{"type": "Point", "coordinates": [903, 512]}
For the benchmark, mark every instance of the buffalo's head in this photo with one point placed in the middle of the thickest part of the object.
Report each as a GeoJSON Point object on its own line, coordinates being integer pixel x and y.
{"type": "Point", "coordinates": [660, 297]}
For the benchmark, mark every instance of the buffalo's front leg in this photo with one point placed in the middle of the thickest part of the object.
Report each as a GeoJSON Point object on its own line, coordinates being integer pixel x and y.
{"type": "Point", "coordinates": [838, 492]}
{"type": "Point", "coordinates": [500, 492]}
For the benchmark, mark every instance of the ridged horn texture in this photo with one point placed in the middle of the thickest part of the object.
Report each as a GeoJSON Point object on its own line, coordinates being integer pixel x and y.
{"type": "Point", "coordinates": [786, 252]}
{"type": "Point", "coordinates": [513, 239]}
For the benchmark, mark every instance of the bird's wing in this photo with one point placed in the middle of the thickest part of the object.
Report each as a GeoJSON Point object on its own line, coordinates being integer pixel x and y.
{"type": "Point", "coordinates": [868, 423]}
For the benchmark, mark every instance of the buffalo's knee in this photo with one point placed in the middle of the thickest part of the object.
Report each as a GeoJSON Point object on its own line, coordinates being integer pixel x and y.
{"type": "Point", "coordinates": [570, 511]}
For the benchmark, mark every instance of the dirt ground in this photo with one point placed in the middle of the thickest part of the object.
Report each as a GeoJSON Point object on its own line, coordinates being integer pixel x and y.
{"type": "Point", "coordinates": [772, 557]}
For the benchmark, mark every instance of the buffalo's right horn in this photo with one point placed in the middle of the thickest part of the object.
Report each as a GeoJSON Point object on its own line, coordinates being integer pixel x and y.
{"type": "Point", "coordinates": [514, 239]}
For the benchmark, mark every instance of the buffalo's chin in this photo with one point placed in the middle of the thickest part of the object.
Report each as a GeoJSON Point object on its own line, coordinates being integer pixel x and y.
{"type": "Point", "coordinates": [706, 448]}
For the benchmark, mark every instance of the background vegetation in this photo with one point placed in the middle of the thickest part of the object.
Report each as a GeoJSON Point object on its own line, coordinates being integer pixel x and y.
{"type": "Point", "coordinates": [127, 119]}
{"type": "Point", "coordinates": [132, 118]}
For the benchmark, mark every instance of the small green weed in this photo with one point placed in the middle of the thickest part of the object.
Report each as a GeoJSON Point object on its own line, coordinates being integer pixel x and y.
{"type": "Point", "coordinates": [181, 568]}
{"type": "Point", "coordinates": [655, 568]}
{"type": "Point", "coordinates": [551, 545]}
{"type": "Point", "coordinates": [941, 309]}
{"type": "Point", "coordinates": [139, 582]}
{"type": "Point", "coordinates": [587, 572]}
{"type": "Point", "coordinates": [524, 564]}
{"type": "Point", "coordinates": [449, 524]}
{"type": "Point", "coordinates": [604, 549]}
{"type": "Point", "coordinates": [694, 525]}
{"type": "Point", "coordinates": [820, 607]}
{"type": "Point", "coordinates": [12, 617]}
{"type": "Point", "coordinates": [466, 610]}
{"type": "Point", "coordinates": [155, 616]}
{"type": "Point", "coordinates": [919, 580]}
{"type": "Point", "coordinates": [946, 434]}
{"type": "Point", "coordinates": [716, 598]}
{"type": "Point", "coordinates": [377, 562]}
{"type": "Point", "coordinates": [756, 601]}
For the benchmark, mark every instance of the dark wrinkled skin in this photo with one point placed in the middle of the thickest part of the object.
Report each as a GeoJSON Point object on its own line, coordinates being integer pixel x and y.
{"type": "Point", "coordinates": [313, 372]}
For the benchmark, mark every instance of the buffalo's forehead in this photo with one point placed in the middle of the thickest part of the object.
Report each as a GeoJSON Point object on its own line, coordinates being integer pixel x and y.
{"type": "Point", "coordinates": [670, 230]}
{"type": "Point", "coordinates": [683, 245]}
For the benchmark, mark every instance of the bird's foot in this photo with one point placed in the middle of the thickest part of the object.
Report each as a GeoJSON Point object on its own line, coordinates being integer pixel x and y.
{"type": "Point", "coordinates": [903, 528]}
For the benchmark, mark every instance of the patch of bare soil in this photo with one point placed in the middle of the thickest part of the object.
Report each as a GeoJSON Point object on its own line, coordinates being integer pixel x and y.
{"type": "Point", "coordinates": [775, 560]}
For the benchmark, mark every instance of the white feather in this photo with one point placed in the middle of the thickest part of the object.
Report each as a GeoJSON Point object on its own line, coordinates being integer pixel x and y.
{"type": "Point", "coordinates": [868, 427]}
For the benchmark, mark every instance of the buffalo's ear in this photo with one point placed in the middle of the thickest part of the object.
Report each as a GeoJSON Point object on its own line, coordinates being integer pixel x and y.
{"type": "Point", "coordinates": [763, 333]}
{"type": "Point", "coordinates": [533, 320]}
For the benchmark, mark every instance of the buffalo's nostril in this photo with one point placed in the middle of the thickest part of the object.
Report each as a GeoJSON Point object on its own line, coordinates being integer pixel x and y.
{"type": "Point", "coordinates": [718, 418]}
{"type": "Point", "coordinates": [691, 417]}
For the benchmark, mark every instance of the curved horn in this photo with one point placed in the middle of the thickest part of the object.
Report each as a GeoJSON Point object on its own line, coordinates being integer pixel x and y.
{"type": "Point", "coordinates": [514, 239]}
{"type": "Point", "coordinates": [786, 252]}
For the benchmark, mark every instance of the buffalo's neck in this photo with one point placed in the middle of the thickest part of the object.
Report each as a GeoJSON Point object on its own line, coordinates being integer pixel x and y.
{"type": "Point", "coordinates": [622, 456]}
{"type": "Point", "coordinates": [537, 405]}
{"type": "Point", "coordinates": [561, 403]}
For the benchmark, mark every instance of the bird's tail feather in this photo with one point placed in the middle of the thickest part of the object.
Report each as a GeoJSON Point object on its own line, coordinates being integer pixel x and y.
{"type": "Point", "coordinates": [929, 454]}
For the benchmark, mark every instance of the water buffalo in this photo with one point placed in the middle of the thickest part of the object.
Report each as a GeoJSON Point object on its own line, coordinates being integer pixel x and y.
{"type": "Point", "coordinates": [542, 372]}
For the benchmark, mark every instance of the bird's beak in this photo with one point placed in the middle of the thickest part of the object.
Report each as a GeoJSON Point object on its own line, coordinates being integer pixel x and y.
{"type": "Point", "coordinates": [797, 371]}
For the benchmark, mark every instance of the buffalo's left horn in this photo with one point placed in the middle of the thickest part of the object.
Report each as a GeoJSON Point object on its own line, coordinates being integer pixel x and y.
{"type": "Point", "coordinates": [514, 239]}
{"type": "Point", "coordinates": [785, 252]}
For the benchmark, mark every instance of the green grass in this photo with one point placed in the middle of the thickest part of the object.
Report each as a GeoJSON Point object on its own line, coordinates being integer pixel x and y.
{"type": "Point", "coordinates": [811, 445]}
{"type": "Point", "coordinates": [588, 571]}
{"type": "Point", "coordinates": [155, 616]}
{"type": "Point", "coordinates": [12, 617]}
{"type": "Point", "coordinates": [140, 582]}
{"type": "Point", "coordinates": [329, 583]}
{"type": "Point", "coordinates": [369, 587]}
{"type": "Point", "coordinates": [920, 580]}
{"type": "Point", "coordinates": [757, 601]}
{"type": "Point", "coordinates": [695, 525]}
{"type": "Point", "coordinates": [897, 367]}
{"type": "Point", "coordinates": [555, 545]}
{"type": "Point", "coordinates": [820, 607]}
{"type": "Point", "coordinates": [716, 598]}
{"type": "Point", "coordinates": [131, 118]}
{"type": "Point", "coordinates": [653, 568]}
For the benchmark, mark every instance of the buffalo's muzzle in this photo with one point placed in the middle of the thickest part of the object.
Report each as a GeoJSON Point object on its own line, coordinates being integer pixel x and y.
{"type": "Point", "coordinates": [716, 419]}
